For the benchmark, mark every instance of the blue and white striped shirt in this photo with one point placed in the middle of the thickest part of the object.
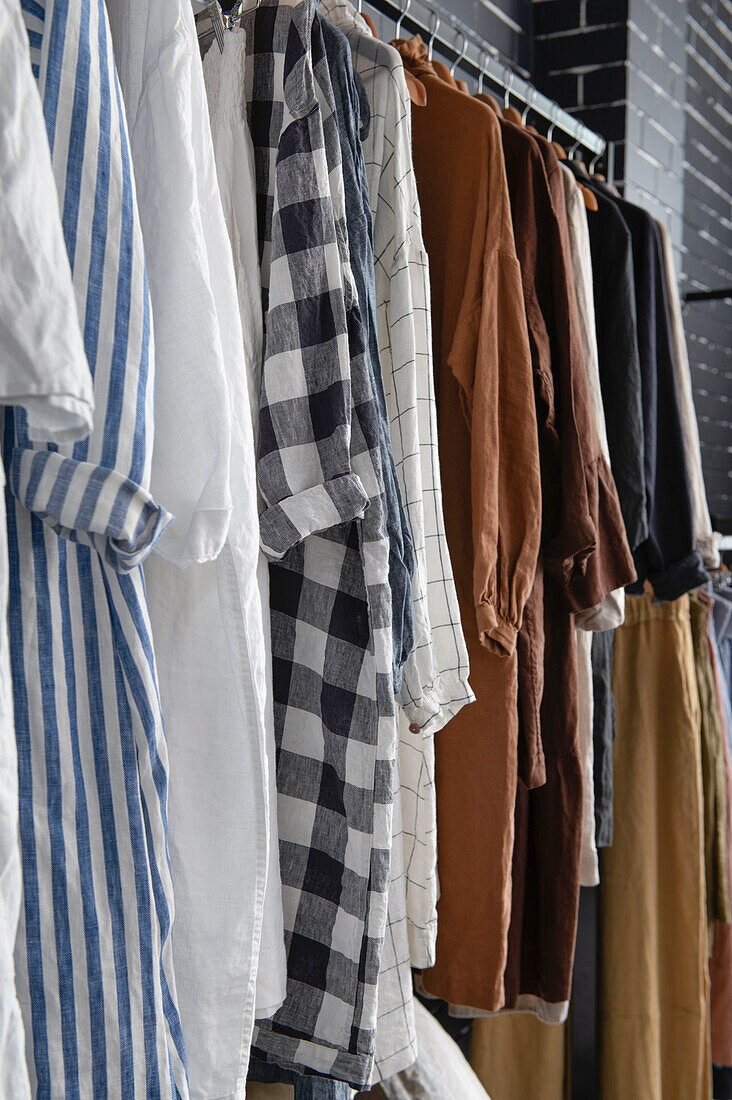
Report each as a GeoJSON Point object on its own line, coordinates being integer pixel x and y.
{"type": "Point", "coordinates": [94, 957]}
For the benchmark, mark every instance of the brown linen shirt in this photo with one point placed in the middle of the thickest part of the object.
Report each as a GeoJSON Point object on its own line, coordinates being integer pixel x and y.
{"type": "Point", "coordinates": [492, 498]}
{"type": "Point", "coordinates": [579, 499]}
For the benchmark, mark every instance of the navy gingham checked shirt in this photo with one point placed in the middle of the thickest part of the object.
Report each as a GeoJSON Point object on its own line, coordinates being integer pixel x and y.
{"type": "Point", "coordinates": [324, 529]}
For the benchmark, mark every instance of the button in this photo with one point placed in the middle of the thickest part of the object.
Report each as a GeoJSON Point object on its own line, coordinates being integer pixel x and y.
{"type": "Point", "coordinates": [414, 728]}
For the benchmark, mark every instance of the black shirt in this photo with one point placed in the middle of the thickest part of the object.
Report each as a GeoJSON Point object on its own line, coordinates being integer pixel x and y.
{"type": "Point", "coordinates": [668, 557]}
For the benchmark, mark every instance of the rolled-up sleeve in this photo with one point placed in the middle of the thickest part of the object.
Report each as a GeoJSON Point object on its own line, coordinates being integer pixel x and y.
{"type": "Point", "coordinates": [304, 465]}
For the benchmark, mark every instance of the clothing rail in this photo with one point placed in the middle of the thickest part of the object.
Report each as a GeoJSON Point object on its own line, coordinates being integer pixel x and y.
{"type": "Point", "coordinates": [485, 61]}
{"type": "Point", "coordinates": [476, 56]}
{"type": "Point", "coordinates": [708, 295]}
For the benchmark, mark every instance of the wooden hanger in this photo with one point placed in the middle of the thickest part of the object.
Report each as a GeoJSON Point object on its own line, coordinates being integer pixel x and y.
{"type": "Point", "coordinates": [489, 102]}
{"type": "Point", "coordinates": [587, 194]}
{"type": "Point", "coordinates": [589, 197]}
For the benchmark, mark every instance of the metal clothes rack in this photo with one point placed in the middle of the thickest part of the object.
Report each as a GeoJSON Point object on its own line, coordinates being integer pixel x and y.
{"type": "Point", "coordinates": [477, 57]}
{"type": "Point", "coordinates": [474, 55]}
{"type": "Point", "coordinates": [708, 295]}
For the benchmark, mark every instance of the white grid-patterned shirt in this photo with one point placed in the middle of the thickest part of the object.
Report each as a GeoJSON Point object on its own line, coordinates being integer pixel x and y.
{"type": "Point", "coordinates": [436, 675]}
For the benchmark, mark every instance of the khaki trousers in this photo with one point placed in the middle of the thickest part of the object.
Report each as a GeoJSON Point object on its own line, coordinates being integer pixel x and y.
{"type": "Point", "coordinates": [653, 997]}
{"type": "Point", "coordinates": [517, 1057]}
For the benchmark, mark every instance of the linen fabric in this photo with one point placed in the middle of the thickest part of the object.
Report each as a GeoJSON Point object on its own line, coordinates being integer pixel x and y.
{"type": "Point", "coordinates": [517, 1055]}
{"type": "Point", "coordinates": [435, 681]}
{"type": "Point", "coordinates": [603, 735]}
{"type": "Point", "coordinates": [440, 1073]}
{"type": "Point", "coordinates": [318, 469]}
{"type": "Point", "coordinates": [585, 557]}
{"type": "Point", "coordinates": [159, 70]}
{"type": "Point", "coordinates": [45, 369]}
{"type": "Point", "coordinates": [43, 351]}
{"type": "Point", "coordinates": [613, 283]}
{"type": "Point", "coordinates": [436, 675]}
{"type": "Point", "coordinates": [234, 154]}
{"type": "Point", "coordinates": [706, 539]}
{"type": "Point", "coordinates": [714, 784]}
{"type": "Point", "coordinates": [723, 629]}
{"type": "Point", "coordinates": [720, 963]}
{"type": "Point", "coordinates": [353, 119]}
{"type": "Point", "coordinates": [396, 1035]}
{"type": "Point", "coordinates": [487, 427]}
{"type": "Point", "coordinates": [269, 1082]}
{"type": "Point", "coordinates": [668, 558]}
{"type": "Point", "coordinates": [94, 957]}
{"type": "Point", "coordinates": [207, 620]}
{"type": "Point", "coordinates": [610, 613]}
{"type": "Point", "coordinates": [653, 1012]}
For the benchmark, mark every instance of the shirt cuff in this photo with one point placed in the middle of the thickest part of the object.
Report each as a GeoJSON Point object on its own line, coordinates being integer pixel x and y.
{"type": "Point", "coordinates": [89, 504]}
{"type": "Point", "coordinates": [708, 547]}
{"type": "Point", "coordinates": [607, 615]}
{"type": "Point", "coordinates": [675, 580]}
{"type": "Point", "coordinates": [284, 525]}
{"type": "Point", "coordinates": [566, 556]}
{"type": "Point", "coordinates": [495, 632]}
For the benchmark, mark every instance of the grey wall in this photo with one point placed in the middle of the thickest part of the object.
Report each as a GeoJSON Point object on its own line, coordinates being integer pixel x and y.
{"type": "Point", "coordinates": [707, 238]}
{"type": "Point", "coordinates": [654, 76]}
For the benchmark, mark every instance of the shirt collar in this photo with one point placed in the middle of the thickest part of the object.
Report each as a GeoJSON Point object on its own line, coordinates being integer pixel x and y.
{"type": "Point", "coordinates": [415, 55]}
{"type": "Point", "coordinates": [345, 16]}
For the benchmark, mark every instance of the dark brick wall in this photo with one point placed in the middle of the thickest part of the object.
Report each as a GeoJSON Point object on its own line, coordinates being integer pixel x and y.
{"type": "Point", "coordinates": [707, 238]}
{"type": "Point", "coordinates": [654, 76]}
{"type": "Point", "coordinates": [581, 60]}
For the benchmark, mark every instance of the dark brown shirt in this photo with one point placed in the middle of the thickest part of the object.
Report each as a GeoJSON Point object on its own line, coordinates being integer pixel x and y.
{"type": "Point", "coordinates": [581, 516]}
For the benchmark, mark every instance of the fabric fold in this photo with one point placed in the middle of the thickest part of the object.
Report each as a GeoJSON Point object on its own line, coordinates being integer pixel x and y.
{"type": "Point", "coordinates": [88, 504]}
{"type": "Point", "coordinates": [310, 512]}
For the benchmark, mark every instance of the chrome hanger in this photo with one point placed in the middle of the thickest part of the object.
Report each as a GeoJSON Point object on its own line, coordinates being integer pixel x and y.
{"type": "Point", "coordinates": [593, 163]}
{"type": "Point", "coordinates": [210, 22]}
{"type": "Point", "coordinates": [507, 94]}
{"type": "Point", "coordinates": [433, 35]}
{"type": "Point", "coordinates": [481, 74]}
{"type": "Point", "coordinates": [460, 57]}
{"type": "Point", "coordinates": [529, 105]}
{"type": "Point", "coordinates": [552, 124]}
{"type": "Point", "coordinates": [402, 13]}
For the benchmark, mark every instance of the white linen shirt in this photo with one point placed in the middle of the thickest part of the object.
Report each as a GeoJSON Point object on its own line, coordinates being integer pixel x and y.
{"type": "Point", "coordinates": [43, 367]}
{"type": "Point", "coordinates": [211, 644]}
{"type": "Point", "coordinates": [42, 356]}
{"type": "Point", "coordinates": [234, 153]}
{"type": "Point", "coordinates": [160, 75]}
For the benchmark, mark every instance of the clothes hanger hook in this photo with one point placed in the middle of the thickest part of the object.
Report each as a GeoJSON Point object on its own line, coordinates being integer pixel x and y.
{"type": "Point", "coordinates": [460, 56]}
{"type": "Point", "coordinates": [403, 12]}
{"type": "Point", "coordinates": [573, 150]}
{"type": "Point", "coordinates": [550, 131]}
{"type": "Point", "coordinates": [481, 75]}
{"type": "Point", "coordinates": [593, 163]}
{"type": "Point", "coordinates": [528, 107]}
{"type": "Point", "coordinates": [433, 34]}
{"type": "Point", "coordinates": [507, 96]}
